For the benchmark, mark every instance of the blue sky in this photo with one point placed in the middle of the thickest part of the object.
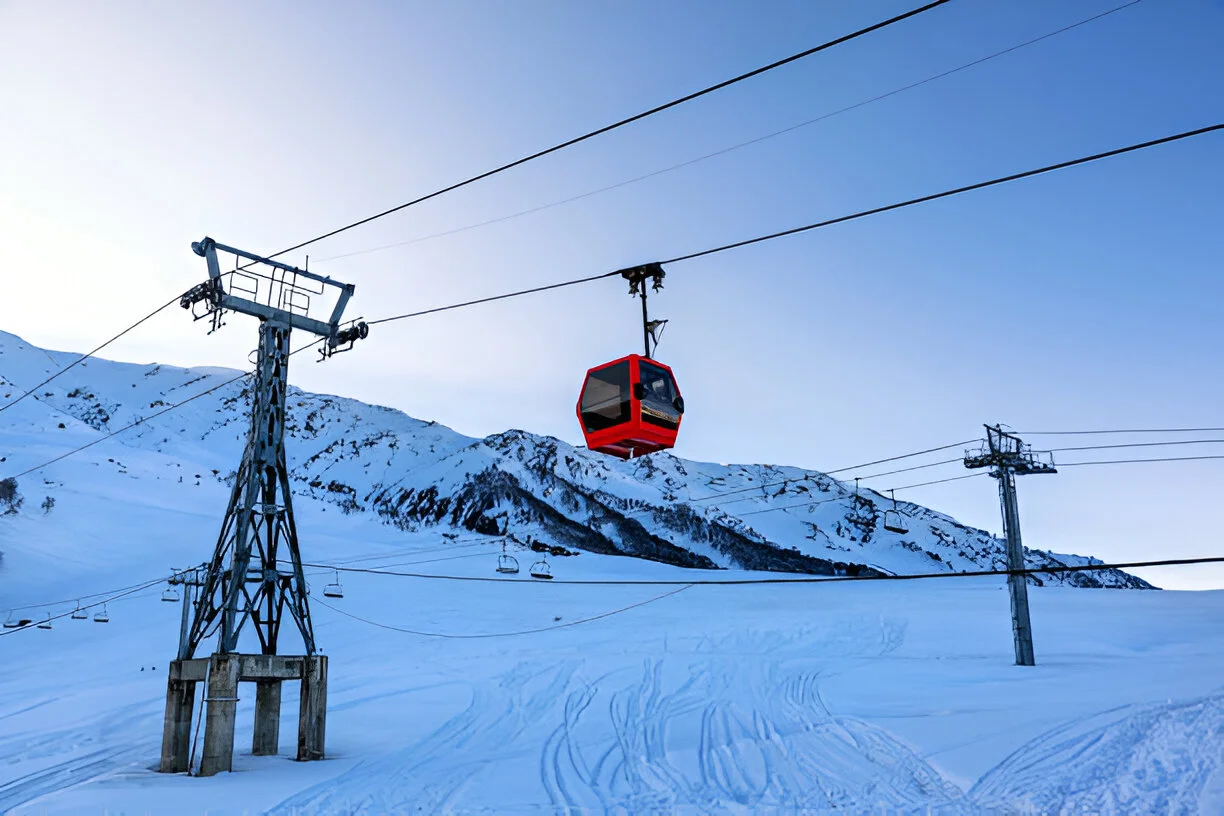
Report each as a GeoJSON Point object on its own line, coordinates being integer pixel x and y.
{"type": "Point", "coordinates": [1081, 300]}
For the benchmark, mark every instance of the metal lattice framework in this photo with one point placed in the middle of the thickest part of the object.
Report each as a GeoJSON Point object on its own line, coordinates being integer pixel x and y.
{"type": "Point", "coordinates": [255, 573]}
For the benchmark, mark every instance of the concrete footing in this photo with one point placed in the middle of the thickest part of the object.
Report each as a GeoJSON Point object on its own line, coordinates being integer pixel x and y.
{"type": "Point", "coordinates": [223, 673]}
{"type": "Point", "coordinates": [266, 741]}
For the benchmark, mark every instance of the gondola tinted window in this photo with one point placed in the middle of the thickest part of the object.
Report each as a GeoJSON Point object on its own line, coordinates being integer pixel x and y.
{"type": "Point", "coordinates": [659, 405]}
{"type": "Point", "coordinates": [605, 400]}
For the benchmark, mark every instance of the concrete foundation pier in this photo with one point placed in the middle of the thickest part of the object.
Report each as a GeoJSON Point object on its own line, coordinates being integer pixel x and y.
{"type": "Point", "coordinates": [266, 740]}
{"type": "Point", "coordinates": [220, 708]}
{"type": "Point", "coordinates": [224, 673]}
{"type": "Point", "coordinates": [176, 730]}
{"type": "Point", "coordinates": [312, 713]}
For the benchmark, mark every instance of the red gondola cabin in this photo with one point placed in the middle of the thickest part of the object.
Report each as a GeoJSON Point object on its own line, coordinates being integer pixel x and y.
{"type": "Point", "coordinates": [630, 407]}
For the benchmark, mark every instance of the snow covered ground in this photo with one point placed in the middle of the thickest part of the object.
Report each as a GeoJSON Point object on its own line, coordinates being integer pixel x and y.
{"type": "Point", "coordinates": [867, 696]}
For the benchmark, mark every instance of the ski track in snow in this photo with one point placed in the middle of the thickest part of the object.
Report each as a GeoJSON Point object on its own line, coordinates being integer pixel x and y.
{"type": "Point", "coordinates": [682, 739]}
{"type": "Point", "coordinates": [729, 725]}
{"type": "Point", "coordinates": [90, 752]}
{"type": "Point", "coordinates": [425, 776]}
{"type": "Point", "coordinates": [1158, 759]}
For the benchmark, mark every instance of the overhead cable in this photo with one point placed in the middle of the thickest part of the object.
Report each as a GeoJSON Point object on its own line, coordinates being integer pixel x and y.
{"type": "Point", "coordinates": [1137, 461]}
{"type": "Point", "coordinates": [505, 296]}
{"type": "Point", "coordinates": [908, 469]}
{"type": "Point", "coordinates": [141, 420]}
{"type": "Point", "coordinates": [535, 631]}
{"type": "Point", "coordinates": [1140, 445]}
{"type": "Point", "coordinates": [802, 578]}
{"type": "Point", "coordinates": [831, 472]}
{"type": "Point", "coordinates": [940, 481]}
{"type": "Point", "coordinates": [111, 599]}
{"type": "Point", "coordinates": [862, 214]}
{"type": "Point", "coordinates": [85, 357]}
{"type": "Point", "coordinates": [1127, 431]}
{"type": "Point", "coordinates": [734, 147]}
{"type": "Point", "coordinates": [621, 123]}
{"type": "Point", "coordinates": [946, 193]}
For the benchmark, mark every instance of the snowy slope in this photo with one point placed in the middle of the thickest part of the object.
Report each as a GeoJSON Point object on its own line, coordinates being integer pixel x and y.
{"type": "Point", "coordinates": [415, 475]}
{"type": "Point", "coordinates": [514, 696]}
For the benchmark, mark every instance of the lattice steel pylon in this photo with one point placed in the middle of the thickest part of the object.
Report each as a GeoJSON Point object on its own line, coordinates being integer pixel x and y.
{"type": "Point", "coordinates": [1008, 457]}
{"type": "Point", "coordinates": [249, 577]}
{"type": "Point", "coordinates": [259, 519]}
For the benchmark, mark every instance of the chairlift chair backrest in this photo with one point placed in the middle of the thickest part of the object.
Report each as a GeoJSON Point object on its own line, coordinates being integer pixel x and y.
{"type": "Point", "coordinates": [894, 523]}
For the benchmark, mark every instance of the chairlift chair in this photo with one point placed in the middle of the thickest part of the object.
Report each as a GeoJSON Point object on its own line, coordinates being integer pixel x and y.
{"type": "Point", "coordinates": [540, 569]}
{"type": "Point", "coordinates": [334, 590]}
{"type": "Point", "coordinates": [507, 564]}
{"type": "Point", "coordinates": [10, 622]}
{"type": "Point", "coordinates": [79, 613]}
{"type": "Point", "coordinates": [894, 519]}
{"type": "Point", "coordinates": [45, 623]}
{"type": "Point", "coordinates": [170, 595]}
{"type": "Point", "coordinates": [101, 617]}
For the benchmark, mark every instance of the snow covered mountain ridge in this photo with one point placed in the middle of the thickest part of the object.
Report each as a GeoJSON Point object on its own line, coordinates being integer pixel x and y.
{"type": "Point", "coordinates": [415, 475]}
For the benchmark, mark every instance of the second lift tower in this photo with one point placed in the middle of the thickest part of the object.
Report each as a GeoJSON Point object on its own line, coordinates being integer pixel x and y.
{"type": "Point", "coordinates": [1009, 457]}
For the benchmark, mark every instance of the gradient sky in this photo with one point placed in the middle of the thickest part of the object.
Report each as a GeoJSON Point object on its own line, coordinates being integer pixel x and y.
{"type": "Point", "coordinates": [1082, 300]}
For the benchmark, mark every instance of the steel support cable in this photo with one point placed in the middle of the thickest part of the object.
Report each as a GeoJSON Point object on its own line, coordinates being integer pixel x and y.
{"type": "Point", "coordinates": [141, 420]}
{"type": "Point", "coordinates": [80, 598]}
{"type": "Point", "coordinates": [1138, 461]}
{"type": "Point", "coordinates": [955, 191]}
{"type": "Point", "coordinates": [831, 472]}
{"type": "Point", "coordinates": [941, 481]}
{"type": "Point", "coordinates": [111, 599]}
{"type": "Point", "coordinates": [492, 298]}
{"type": "Point", "coordinates": [808, 579]}
{"type": "Point", "coordinates": [972, 475]}
{"type": "Point", "coordinates": [821, 501]}
{"type": "Point", "coordinates": [734, 147]}
{"type": "Point", "coordinates": [1140, 445]}
{"type": "Point", "coordinates": [452, 636]}
{"type": "Point", "coordinates": [621, 123]}
{"type": "Point", "coordinates": [908, 469]}
{"type": "Point", "coordinates": [732, 582]}
{"type": "Point", "coordinates": [323, 569]}
{"type": "Point", "coordinates": [829, 222]}
{"type": "Point", "coordinates": [85, 357]}
{"type": "Point", "coordinates": [1128, 431]}
{"type": "Point", "coordinates": [843, 498]}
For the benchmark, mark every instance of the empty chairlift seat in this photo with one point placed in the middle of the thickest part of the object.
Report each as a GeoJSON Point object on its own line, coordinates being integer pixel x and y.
{"type": "Point", "coordinates": [334, 590]}
{"type": "Point", "coordinates": [894, 519]}
{"type": "Point", "coordinates": [507, 564]}
{"type": "Point", "coordinates": [630, 407]}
